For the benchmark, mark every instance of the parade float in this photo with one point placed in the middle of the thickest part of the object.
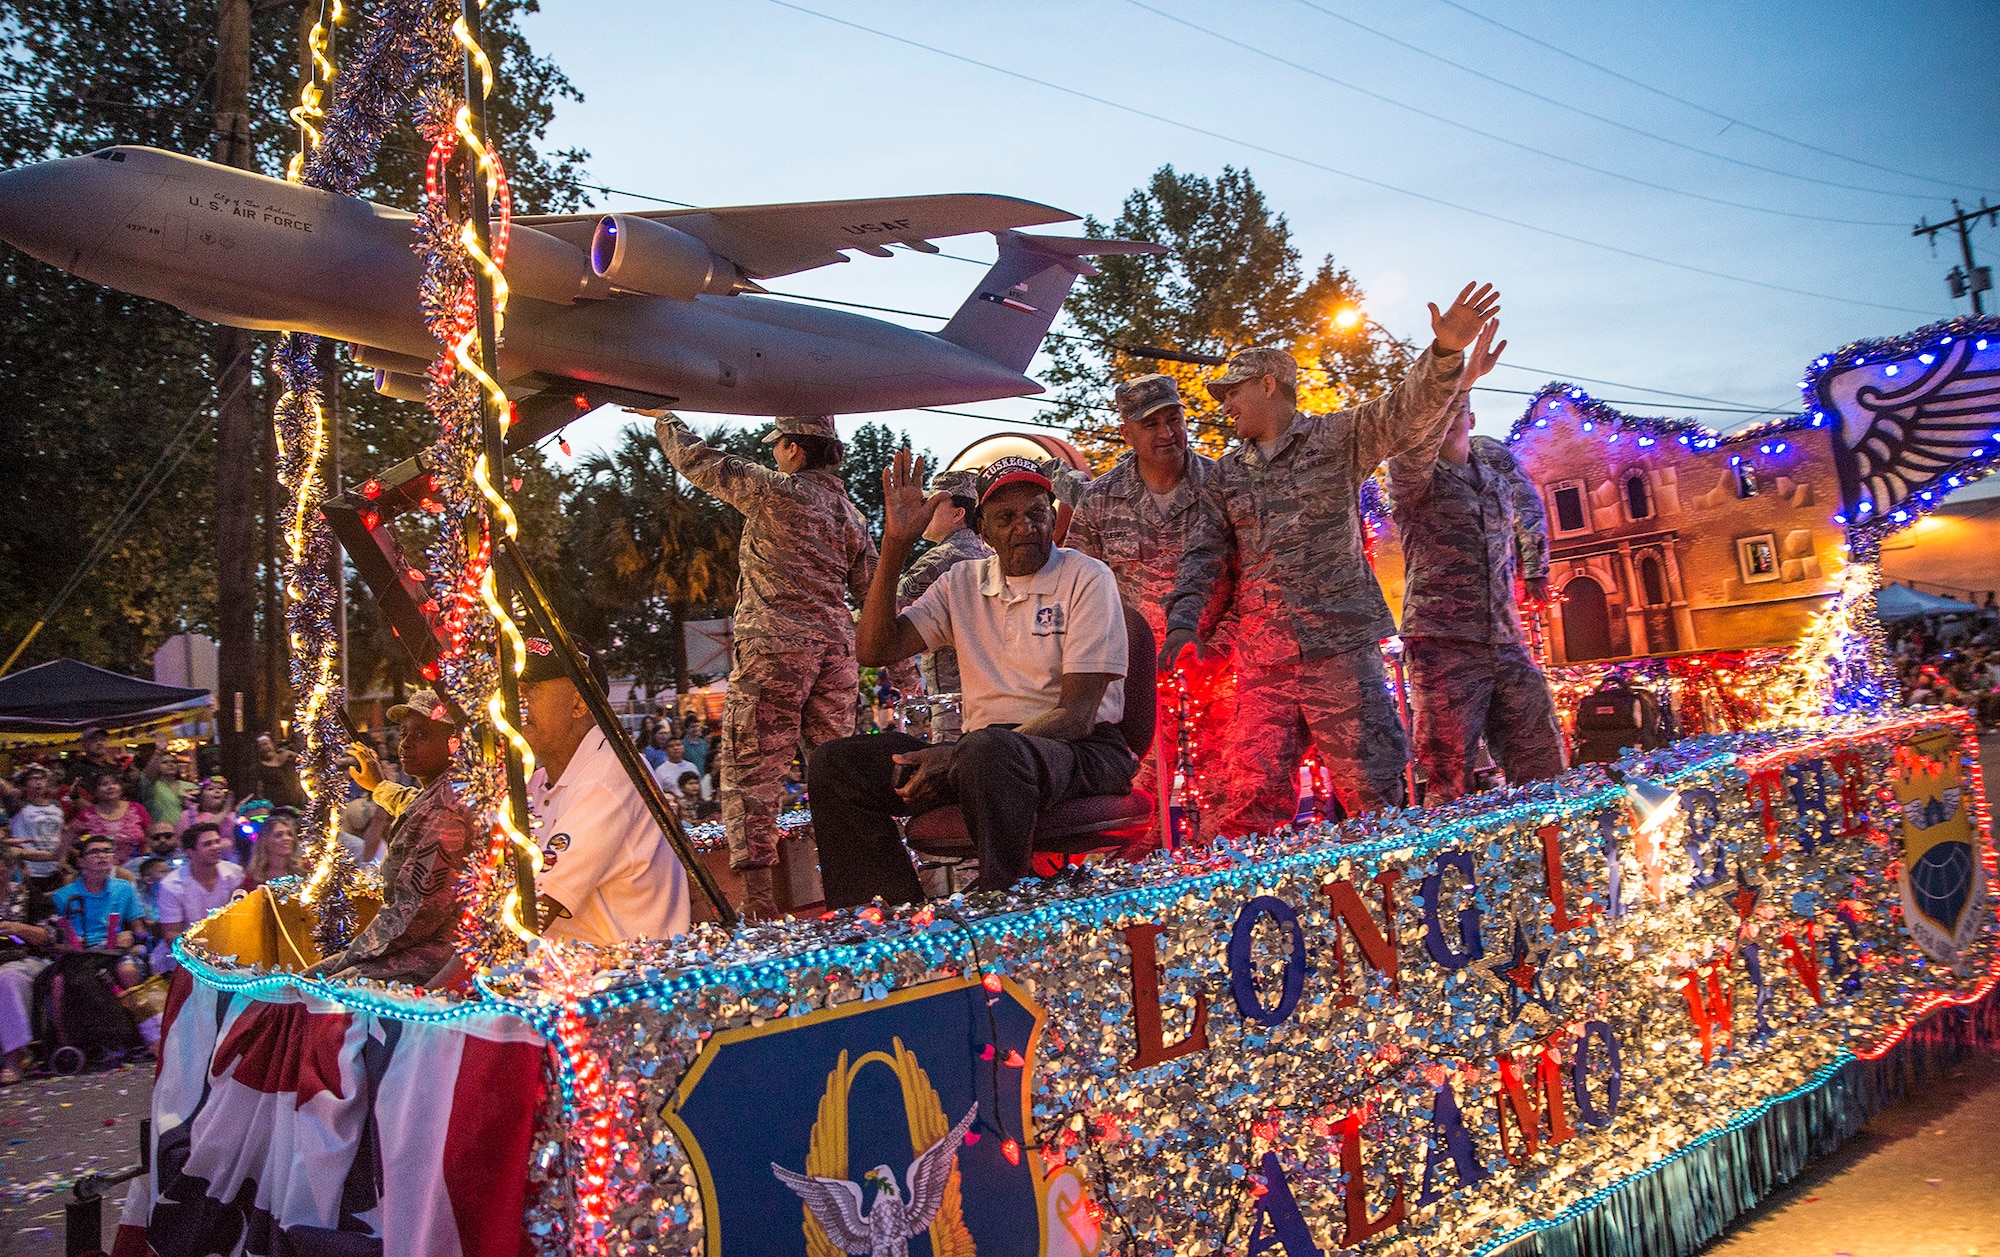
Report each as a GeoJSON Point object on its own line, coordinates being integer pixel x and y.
{"type": "Point", "coordinates": [1603, 1013]}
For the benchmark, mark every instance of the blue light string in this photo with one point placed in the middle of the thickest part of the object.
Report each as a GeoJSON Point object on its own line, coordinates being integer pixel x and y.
{"type": "Point", "coordinates": [1868, 526]}
{"type": "Point", "coordinates": [776, 975]}
{"type": "Point", "coordinates": [265, 986]}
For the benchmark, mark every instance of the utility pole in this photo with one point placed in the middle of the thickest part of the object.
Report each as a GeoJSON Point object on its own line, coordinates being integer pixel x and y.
{"type": "Point", "coordinates": [1971, 279]}
{"type": "Point", "coordinates": [236, 444]}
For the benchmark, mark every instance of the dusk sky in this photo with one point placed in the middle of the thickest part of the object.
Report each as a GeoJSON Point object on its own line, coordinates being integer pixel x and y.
{"type": "Point", "coordinates": [1863, 117]}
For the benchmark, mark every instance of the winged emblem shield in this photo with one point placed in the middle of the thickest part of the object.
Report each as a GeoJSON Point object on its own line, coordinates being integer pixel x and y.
{"type": "Point", "coordinates": [929, 1086]}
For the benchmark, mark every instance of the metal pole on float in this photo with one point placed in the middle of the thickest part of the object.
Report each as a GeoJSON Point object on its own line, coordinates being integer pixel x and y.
{"type": "Point", "coordinates": [1402, 683]}
{"type": "Point", "coordinates": [493, 426]}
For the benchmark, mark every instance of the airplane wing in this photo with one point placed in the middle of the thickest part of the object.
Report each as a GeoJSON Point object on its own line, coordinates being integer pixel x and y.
{"type": "Point", "coordinates": [771, 240]}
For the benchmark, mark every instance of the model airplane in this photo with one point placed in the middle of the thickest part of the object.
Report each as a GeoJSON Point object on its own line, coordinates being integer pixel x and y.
{"type": "Point", "coordinates": [647, 309]}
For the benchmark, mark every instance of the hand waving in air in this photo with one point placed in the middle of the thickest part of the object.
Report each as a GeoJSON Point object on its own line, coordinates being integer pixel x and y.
{"type": "Point", "coordinates": [1456, 327]}
{"type": "Point", "coordinates": [907, 510]}
{"type": "Point", "coordinates": [1483, 355]}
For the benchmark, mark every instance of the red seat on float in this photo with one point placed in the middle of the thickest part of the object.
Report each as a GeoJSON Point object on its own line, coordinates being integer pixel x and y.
{"type": "Point", "coordinates": [1078, 826]}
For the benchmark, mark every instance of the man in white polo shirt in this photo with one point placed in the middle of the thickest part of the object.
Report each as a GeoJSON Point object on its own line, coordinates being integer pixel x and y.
{"type": "Point", "coordinates": [1040, 636]}
{"type": "Point", "coordinates": [607, 871]}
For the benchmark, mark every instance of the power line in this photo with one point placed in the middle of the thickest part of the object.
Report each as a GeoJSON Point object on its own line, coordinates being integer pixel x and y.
{"type": "Point", "coordinates": [641, 196]}
{"type": "Point", "coordinates": [1196, 129]}
{"type": "Point", "coordinates": [967, 414]}
{"type": "Point", "coordinates": [861, 305]}
{"type": "Point", "coordinates": [1637, 388]}
{"type": "Point", "coordinates": [1614, 401]}
{"type": "Point", "coordinates": [1598, 117]}
{"type": "Point", "coordinates": [919, 314]}
{"type": "Point", "coordinates": [1694, 105]}
{"type": "Point", "coordinates": [1723, 404]}
{"type": "Point", "coordinates": [1499, 139]}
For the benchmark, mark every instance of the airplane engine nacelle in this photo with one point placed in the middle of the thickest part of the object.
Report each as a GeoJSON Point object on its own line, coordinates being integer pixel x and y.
{"type": "Point", "coordinates": [548, 269]}
{"type": "Point", "coordinates": [640, 255]}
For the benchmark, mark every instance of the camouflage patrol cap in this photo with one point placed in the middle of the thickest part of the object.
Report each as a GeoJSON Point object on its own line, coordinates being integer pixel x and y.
{"type": "Point", "coordinates": [427, 704]}
{"type": "Point", "coordinates": [959, 484]}
{"type": "Point", "coordinates": [1138, 398]}
{"type": "Point", "coordinates": [803, 425]}
{"type": "Point", "coordinates": [1249, 364]}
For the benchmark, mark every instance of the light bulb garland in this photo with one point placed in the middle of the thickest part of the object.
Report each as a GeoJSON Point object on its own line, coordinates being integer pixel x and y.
{"type": "Point", "coordinates": [406, 43]}
{"type": "Point", "coordinates": [319, 70]}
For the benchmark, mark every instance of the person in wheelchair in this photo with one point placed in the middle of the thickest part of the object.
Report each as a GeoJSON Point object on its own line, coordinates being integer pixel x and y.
{"type": "Point", "coordinates": [81, 1009]}
{"type": "Point", "coordinates": [100, 909]}
{"type": "Point", "coordinates": [22, 959]}
{"type": "Point", "coordinates": [1041, 639]}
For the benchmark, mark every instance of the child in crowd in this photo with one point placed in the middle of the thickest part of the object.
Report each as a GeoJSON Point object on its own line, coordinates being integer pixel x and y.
{"type": "Point", "coordinates": [215, 804]}
{"type": "Point", "coordinates": [37, 829]}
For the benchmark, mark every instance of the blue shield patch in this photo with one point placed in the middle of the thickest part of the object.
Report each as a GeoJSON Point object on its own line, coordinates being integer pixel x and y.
{"type": "Point", "coordinates": [860, 1125]}
{"type": "Point", "coordinates": [1943, 877]}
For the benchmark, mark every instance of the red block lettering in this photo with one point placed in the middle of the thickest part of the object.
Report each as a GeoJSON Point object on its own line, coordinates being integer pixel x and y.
{"type": "Point", "coordinates": [1711, 1003]}
{"type": "Point", "coordinates": [1152, 1046]}
{"type": "Point", "coordinates": [1847, 766]}
{"type": "Point", "coordinates": [1517, 1093]}
{"type": "Point", "coordinates": [1378, 949]}
{"type": "Point", "coordinates": [1765, 787]}
{"type": "Point", "coordinates": [1359, 1225]}
{"type": "Point", "coordinates": [1803, 960]}
{"type": "Point", "coordinates": [1552, 867]}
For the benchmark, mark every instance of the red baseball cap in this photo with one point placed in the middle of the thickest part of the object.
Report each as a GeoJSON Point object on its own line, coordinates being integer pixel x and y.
{"type": "Point", "coordinates": [1013, 469]}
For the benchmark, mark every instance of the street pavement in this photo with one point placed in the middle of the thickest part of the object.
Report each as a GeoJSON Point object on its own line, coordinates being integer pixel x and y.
{"type": "Point", "coordinates": [1918, 1181]}
{"type": "Point", "coordinates": [52, 1132]}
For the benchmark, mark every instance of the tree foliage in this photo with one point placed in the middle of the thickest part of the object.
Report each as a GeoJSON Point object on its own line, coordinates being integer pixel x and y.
{"type": "Point", "coordinates": [1233, 279]}
{"type": "Point", "coordinates": [644, 552]}
{"type": "Point", "coordinates": [648, 553]}
{"type": "Point", "coordinates": [873, 447]}
{"type": "Point", "coordinates": [102, 382]}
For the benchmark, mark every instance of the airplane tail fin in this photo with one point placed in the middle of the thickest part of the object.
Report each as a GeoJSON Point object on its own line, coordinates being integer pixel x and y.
{"type": "Point", "coordinates": [1008, 314]}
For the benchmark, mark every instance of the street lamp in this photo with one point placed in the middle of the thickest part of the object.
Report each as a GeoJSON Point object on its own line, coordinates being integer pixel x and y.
{"type": "Point", "coordinates": [1350, 319]}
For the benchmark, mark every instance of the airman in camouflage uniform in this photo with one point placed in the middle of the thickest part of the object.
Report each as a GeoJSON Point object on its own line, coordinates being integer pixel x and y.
{"type": "Point", "coordinates": [1137, 519]}
{"type": "Point", "coordinates": [953, 542]}
{"type": "Point", "coordinates": [1467, 514]}
{"type": "Point", "coordinates": [794, 682]}
{"type": "Point", "coordinates": [1310, 615]}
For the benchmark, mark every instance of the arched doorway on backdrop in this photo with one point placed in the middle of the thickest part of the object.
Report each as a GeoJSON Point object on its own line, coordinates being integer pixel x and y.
{"type": "Point", "coordinates": [1586, 621]}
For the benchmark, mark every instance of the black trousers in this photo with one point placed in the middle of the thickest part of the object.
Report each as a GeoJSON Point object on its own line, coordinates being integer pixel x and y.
{"type": "Point", "coordinates": [1000, 779]}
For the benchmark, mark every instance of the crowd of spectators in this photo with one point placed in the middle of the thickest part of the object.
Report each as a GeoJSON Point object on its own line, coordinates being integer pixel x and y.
{"type": "Point", "coordinates": [679, 750]}
{"type": "Point", "coordinates": [117, 850]}
{"type": "Point", "coordinates": [1951, 662]}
